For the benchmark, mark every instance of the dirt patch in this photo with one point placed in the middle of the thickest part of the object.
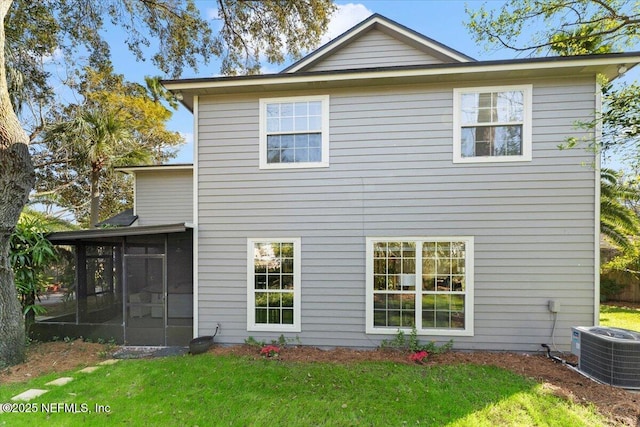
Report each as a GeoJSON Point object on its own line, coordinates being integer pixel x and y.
{"type": "Point", "coordinates": [619, 406]}
{"type": "Point", "coordinates": [44, 358]}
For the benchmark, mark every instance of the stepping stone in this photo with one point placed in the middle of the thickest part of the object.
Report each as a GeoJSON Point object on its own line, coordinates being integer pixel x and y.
{"type": "Point", "coordinates": [60, 381]}
{"type": "Point", "coordinates": [29, 394]}
{"type": "Point", "coordinates": [88, 369]}
{"type": "Point", "coordinates": [109, 362]}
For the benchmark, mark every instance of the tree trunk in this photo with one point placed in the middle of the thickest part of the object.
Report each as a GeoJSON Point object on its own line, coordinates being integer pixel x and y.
{"type": "Point", "coordinates": [94, 213]}
{"type": "Point", "coordinates": [16, 181]}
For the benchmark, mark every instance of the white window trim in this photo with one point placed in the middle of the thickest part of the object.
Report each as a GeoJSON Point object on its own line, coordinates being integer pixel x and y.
{"type": "Point", "coordinates": [526, 125]}
{"type": "Point", "coordinates": [252, 326]}
{"type": "Point", "coordinates": [324, 162]}
{"type": "Point", "coordinates": [469, 294]}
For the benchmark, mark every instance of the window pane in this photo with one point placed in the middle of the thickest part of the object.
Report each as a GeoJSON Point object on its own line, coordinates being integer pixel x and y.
{"type": "Point", "coordinates": [429, 250]}
{"type": "Point", "coordinates": [315, 140]}
{"type": "Point", "coordinates": [301, 124]}
{"type": "Point", "coordinates": [468, 141]}
{"type": "Point", "coordinates": [287, 156]}
{"type": "Point", "coordinates": [507, 141]}
{"type": "Point", "coordinates": [510, 106]}
{"type": "Point", "coordinates": [315, 108]}
{"type": "Point", "coordinates": [379, 318]}
{"type": "Point", "coordinates": [301, 109]}
{"type": "Point", "coordinates": [273, 110]}
{"type": "Point", "coordinates": [261, 299]}
{"type": "Point", "coordinates": [286, 250]}
{"type": "Point", "coordinates": [275, 300]}
{"type": "Point", "coordinates": [274, 316]}
{"type": "Point", "coordinates": [379, 301]}
{"type": "Point", "coordinates": [261, 315]}
{"type": "Point", "coordinates": [273, 282]}
{"type": "Point", "coordinates": [287, 281]}
{"type": "Point", "coordinates": [260, 281]}
{"type": "Point", "coordinates": [273, 124]}
{"type": "Point", "coordinates": [286, 124]}
{"type": "Point", "coordinates": [273, 142]}
{"type": "Point", "coordinates": [315, 123]}
{"type": "Point", "coordinates": [286, 141]}
{"type": "Point", "coordinates": [301, 155]}
{"type": "Point", "coordinates": [287, 317]}
{"type": "Point", "coordinates": [273, 156]}
{"type": "Point", "coordinates": [443, 249]}
{"type": "Point", "coordinates": [458, 284]}
{"type": "Point", "coordinates": [286, 109]}
{"type": "Point", "coordinates": [287, 265]}
{"type": "Point", "coordinates": [315, 154]}
{"type": "Point", "coordinates": [408, 282]}
{"type": "Point", "coordinates": [457, 266]}
{"type": "Point", "coordinates": [287, 299]}
{"type": "Point", "coordinates": [429, 282]}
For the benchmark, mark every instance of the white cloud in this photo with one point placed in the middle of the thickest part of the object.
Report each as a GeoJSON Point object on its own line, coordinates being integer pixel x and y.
{"type": "Point", "coordinates": [212, 13]}
{"type": "Point", "coordinates": [345, 17]}
{"type": "Point", "coordinates": [56, 56]}
{"type": "Point", "coordinates": [187, 136]}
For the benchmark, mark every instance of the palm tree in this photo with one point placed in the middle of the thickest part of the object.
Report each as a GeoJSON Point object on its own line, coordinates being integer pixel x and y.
{"type": "Point", "coordinates": [617, 220]}
{"type": "Point", "coordinates": [99, 140]}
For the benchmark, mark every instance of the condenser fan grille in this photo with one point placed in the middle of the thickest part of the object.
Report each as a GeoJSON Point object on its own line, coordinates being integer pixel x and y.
{"type": "Point", "coordinates": [610, 355]}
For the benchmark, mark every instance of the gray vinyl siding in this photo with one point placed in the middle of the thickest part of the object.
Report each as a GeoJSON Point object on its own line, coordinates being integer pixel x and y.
{"type": "Point", "coordinates": [164, 197]}
{"type": "Point", "coordinates": [374, 49]}
{"type": "Point", "coordinates": [391, 174]}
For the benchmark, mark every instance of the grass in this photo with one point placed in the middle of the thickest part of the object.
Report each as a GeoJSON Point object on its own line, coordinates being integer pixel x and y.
{"type": "Point", "coordinates": [621, 317]}
{"type": "Point", "coordinates": [229, 390]}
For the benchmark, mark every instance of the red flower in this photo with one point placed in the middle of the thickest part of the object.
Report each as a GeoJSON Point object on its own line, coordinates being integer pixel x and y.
{"type": "Point", "coordinates": [419, 356]}
{"type": "Point", "coordinates": [270, 351]}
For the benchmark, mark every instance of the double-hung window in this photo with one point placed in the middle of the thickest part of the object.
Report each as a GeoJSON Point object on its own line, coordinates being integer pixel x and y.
{"type": "Point", "coordinates": [273, 285]}
{"type": "Point", "coordinates": [294, 132]}
{"type": "Point", "coordinates": [492, 124]}
{"type": "Point", "coordinates": [426, 283]}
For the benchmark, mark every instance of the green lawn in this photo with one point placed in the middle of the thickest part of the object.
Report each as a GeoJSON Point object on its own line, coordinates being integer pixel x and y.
{"type": "Point", "coordinates": [621, 317]}
{"type": "Point", "coordinates": [209, 390]}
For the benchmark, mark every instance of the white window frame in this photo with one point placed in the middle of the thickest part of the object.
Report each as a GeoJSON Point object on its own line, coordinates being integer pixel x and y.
{"type": "Point", "coordinates": [324, 162]}
{"type": "Point", "coordinates": [251, 306]}
{"type": "Point", "coordinates": [526, 155]}
{"type": "Point", "coordinates": [469, 290]}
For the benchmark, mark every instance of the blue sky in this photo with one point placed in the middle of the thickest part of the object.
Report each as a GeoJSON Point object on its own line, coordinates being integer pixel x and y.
{"type": "Point", "coordinates": [442, 20]}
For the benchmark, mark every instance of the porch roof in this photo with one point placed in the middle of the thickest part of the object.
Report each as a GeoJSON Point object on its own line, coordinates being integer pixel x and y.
{"type": "Point", "coordinates": [77, 236]}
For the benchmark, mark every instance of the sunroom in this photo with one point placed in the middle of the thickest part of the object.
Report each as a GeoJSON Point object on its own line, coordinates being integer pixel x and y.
{"type": "Point", "coordinates": [131, 285]}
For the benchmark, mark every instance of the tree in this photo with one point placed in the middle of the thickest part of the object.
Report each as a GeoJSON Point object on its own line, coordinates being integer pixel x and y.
{"type": "Point", "coordinates": [618, 220]}
{"type": "Point", "coordinates": [574, 27]}
{"type": "Point", "coordinates": [16, 180]}
{"type": "Point", "coordinates": [100, 140]}
{"type": "Point", "coordinates": [30, 255]}
{"type": "Point", "coordinates": [35, 30]}
{"type": "Point", "coordinates": [570, 27]}
{"type": "Point", "coordinates": [68, 178]}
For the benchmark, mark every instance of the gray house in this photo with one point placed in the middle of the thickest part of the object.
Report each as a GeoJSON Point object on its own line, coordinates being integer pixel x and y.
{"type": "Point", "coordinates": [381, 183]}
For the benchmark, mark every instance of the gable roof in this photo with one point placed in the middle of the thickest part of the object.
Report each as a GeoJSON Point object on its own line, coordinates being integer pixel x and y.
{"type": "Point", "coordinates": [387, 26]}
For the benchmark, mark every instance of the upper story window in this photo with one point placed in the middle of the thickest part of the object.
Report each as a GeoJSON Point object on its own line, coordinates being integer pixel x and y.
{"type": "Point", "coordinates": [294, 132]}
{"type": "Point", "coordinates": [492, 124]}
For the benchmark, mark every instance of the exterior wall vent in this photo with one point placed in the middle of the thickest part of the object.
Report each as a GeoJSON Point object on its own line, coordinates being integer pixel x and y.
{"type": "Point", "coordinates": [608, 355]}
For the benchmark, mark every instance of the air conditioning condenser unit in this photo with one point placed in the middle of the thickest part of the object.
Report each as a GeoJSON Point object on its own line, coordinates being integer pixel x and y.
{"type": "Point", "coordinates": [608, 355]}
